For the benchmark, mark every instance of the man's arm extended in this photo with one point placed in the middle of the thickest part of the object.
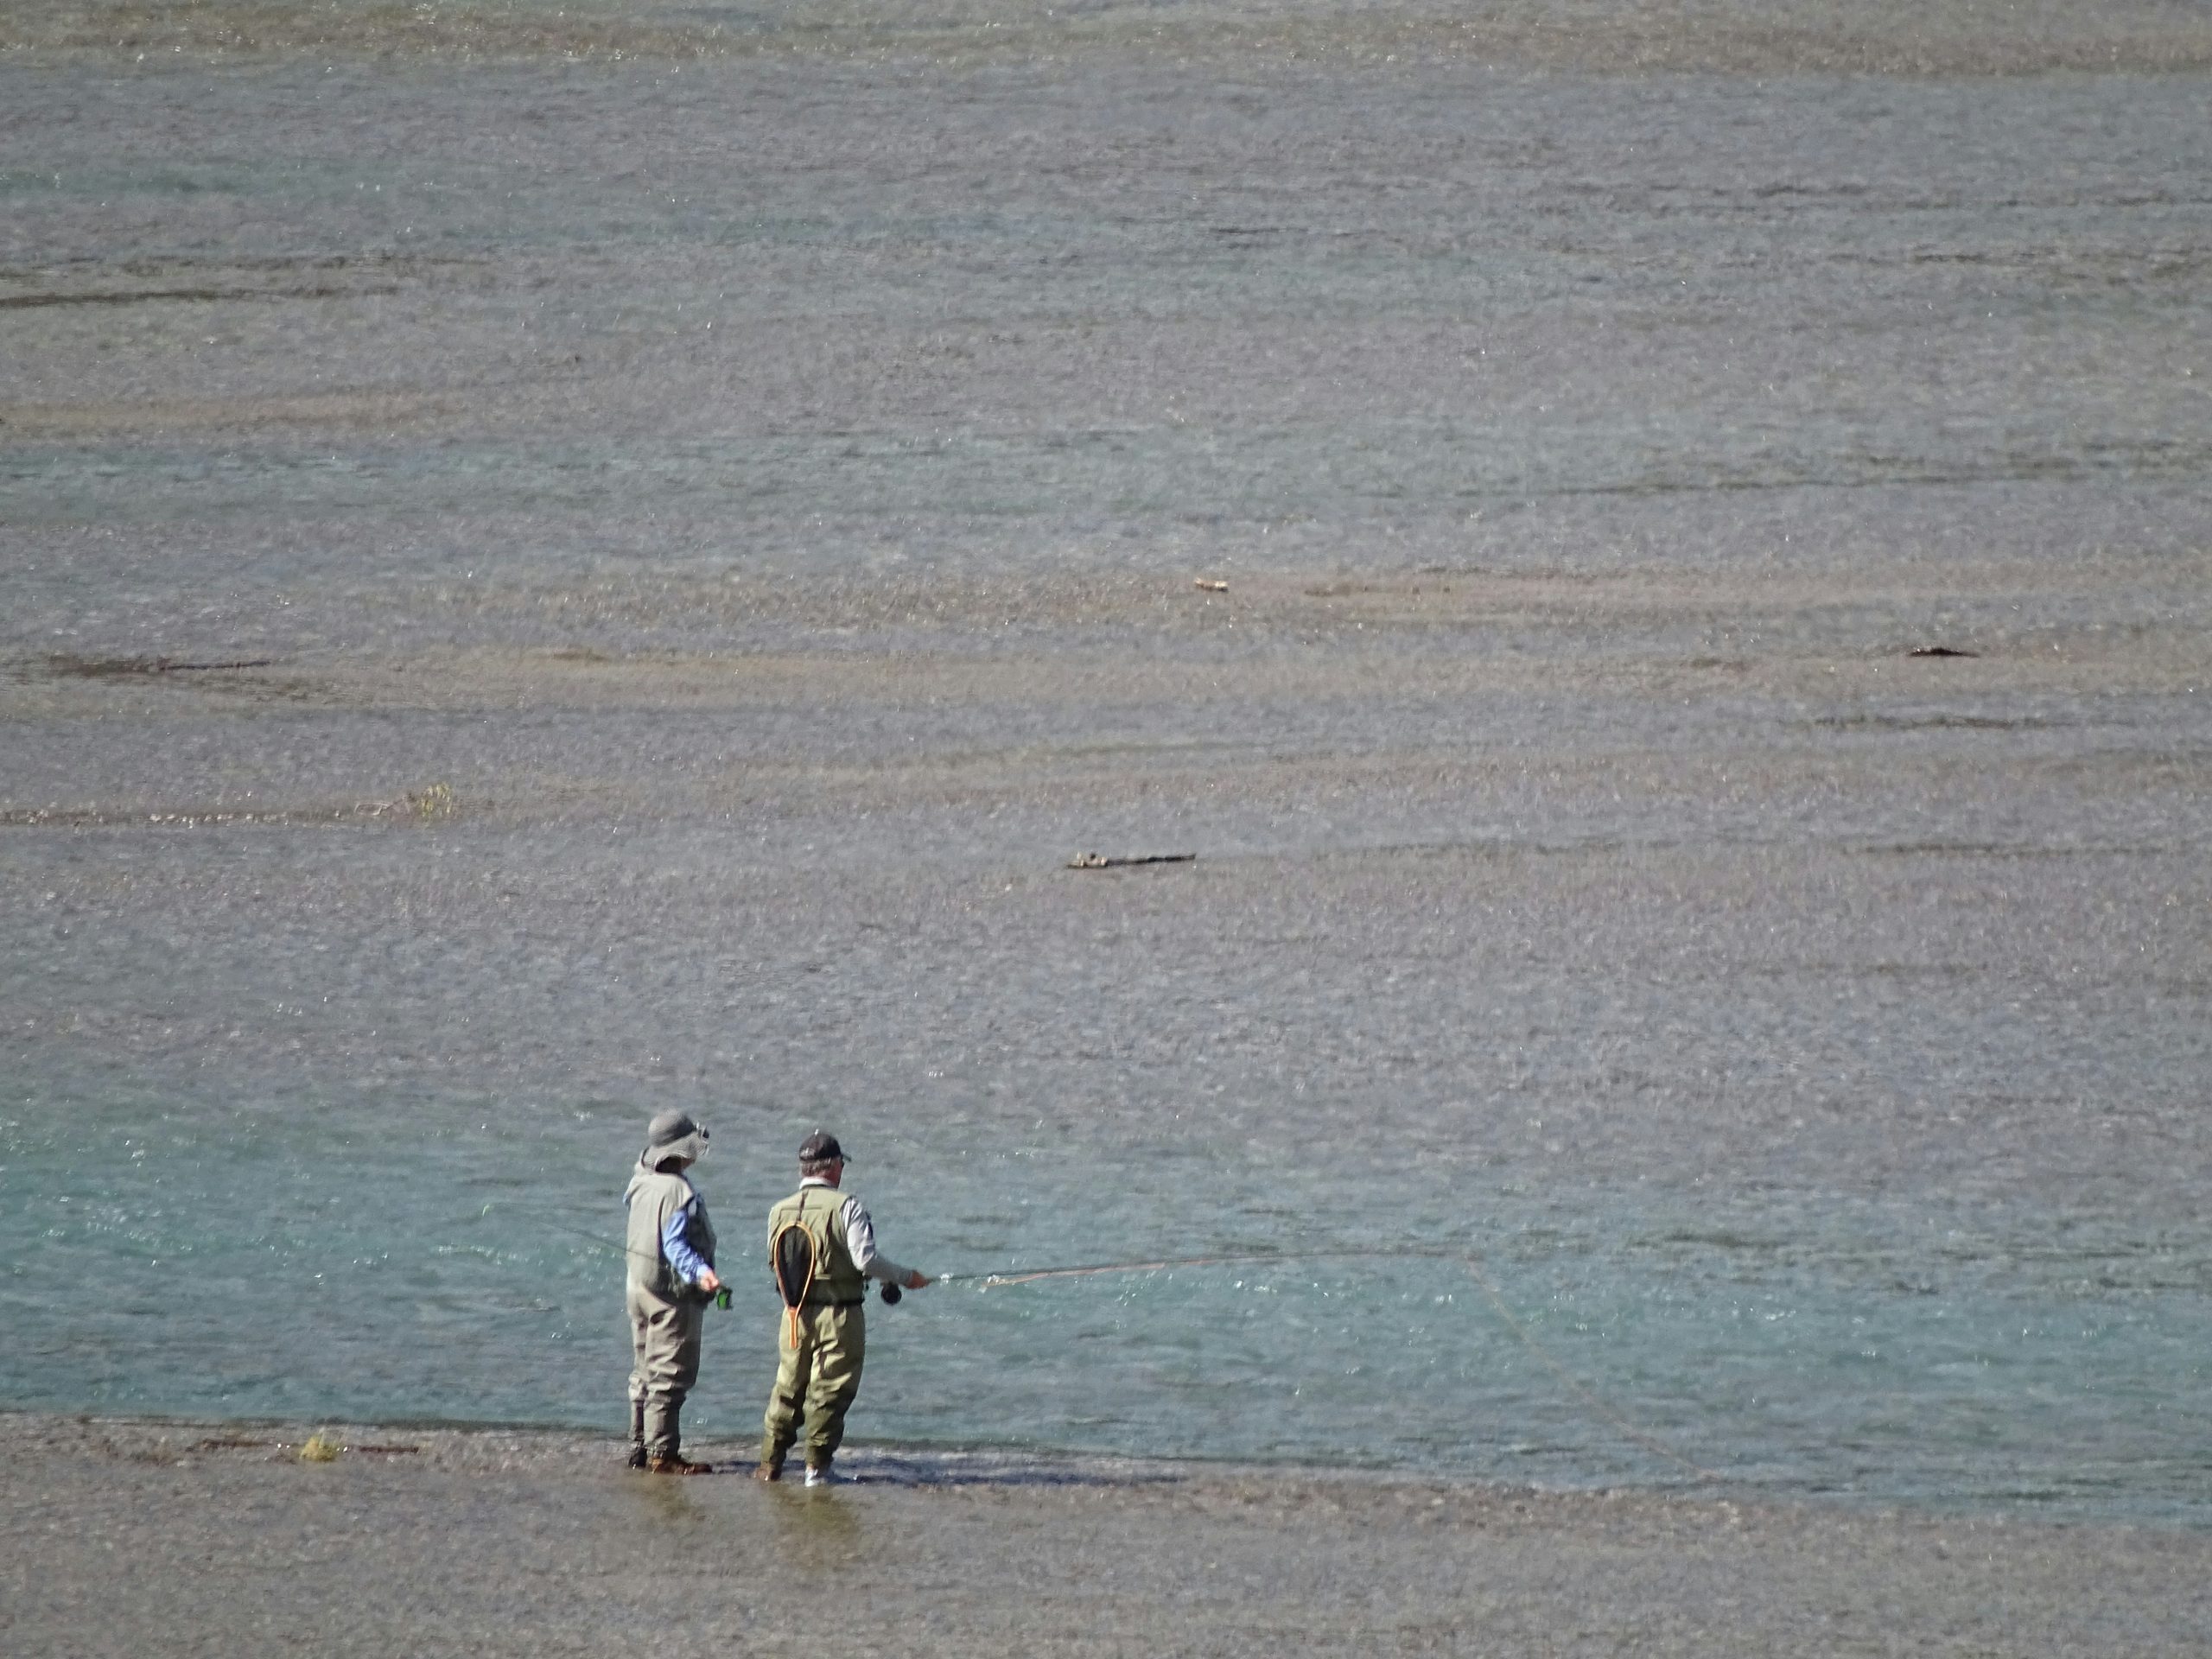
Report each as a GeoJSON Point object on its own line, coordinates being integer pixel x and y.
{"type": "Point", "coordinates": [860, 1239]}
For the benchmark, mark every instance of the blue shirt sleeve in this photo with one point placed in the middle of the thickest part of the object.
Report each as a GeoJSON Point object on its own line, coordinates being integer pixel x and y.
{"type": "Point", "coordinates": [676, 1244]}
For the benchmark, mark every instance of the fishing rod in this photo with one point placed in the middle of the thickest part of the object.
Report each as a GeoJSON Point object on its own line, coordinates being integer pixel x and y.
{"type": "Point", "coordinates": [1000, 1280]}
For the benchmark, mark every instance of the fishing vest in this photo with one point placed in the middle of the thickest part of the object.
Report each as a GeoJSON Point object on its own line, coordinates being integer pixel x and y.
{"type": "Point", "coordinates": [821, 1211]}
{"type": "Point", "coordinates": [653, 1196]}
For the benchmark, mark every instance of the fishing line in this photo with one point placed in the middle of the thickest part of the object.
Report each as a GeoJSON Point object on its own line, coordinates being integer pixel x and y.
{"type": "Point", "coordinates": [1594, 1402]}
{"type": "Point", "coordinates": [997, 1280]}
{"type": "Point", "coordinates": [589, 1237]}
{"type": "Point", "coordinates": [720, 1298]}
{"type": "Point", "coordinates": [1474, 1267]}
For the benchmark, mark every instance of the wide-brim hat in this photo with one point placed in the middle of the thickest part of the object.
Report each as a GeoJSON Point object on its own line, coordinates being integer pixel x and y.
{"type": "Point", "coordinates": [673, 1134]}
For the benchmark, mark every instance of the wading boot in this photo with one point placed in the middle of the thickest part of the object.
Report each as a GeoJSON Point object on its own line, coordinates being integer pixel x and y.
{"type": "Point", "coordinates": [677, 1464]}
{"type": "Point", "coordinates": [821, 1474]}
{"type": "Point", "coordinates": [769, 1469]}
{"type": "Point", "coordinates": [638, 1458]}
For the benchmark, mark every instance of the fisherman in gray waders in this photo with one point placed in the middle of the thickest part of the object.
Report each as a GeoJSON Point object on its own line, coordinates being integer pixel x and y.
{"type": "Point", "coordinates": [822, 1251]}
{"type": "Point", "coordinates": [671, 1253]}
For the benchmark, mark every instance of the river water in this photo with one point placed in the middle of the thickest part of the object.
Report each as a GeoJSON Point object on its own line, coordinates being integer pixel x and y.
{"type": "Point", "coordinates": [542, 588]}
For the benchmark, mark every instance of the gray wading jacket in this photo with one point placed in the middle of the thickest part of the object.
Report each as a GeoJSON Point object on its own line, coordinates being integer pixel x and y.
{"type": "Point", "coordinates": [654, 1196]}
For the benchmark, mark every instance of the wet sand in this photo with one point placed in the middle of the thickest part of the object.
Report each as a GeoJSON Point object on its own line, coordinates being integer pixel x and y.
{"type": "Point", "coordinates": [120, 1537]}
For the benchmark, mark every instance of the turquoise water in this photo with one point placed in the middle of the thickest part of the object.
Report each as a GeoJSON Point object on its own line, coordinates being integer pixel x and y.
{"type": "Point", "coordinates": [303, 1216]}
{"type": "Point", "coordinates": [275, 1260]}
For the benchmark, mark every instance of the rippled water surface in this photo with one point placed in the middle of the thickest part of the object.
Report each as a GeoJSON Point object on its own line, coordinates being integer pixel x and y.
{"type": "Point", "coordinates": [533, 591]}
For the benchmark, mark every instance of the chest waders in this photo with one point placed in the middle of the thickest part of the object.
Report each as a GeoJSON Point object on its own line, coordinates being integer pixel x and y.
{"type": "Point", "coordinates": [666, 1316]}
{"type": "Point", "coordinates": [823, 1335]}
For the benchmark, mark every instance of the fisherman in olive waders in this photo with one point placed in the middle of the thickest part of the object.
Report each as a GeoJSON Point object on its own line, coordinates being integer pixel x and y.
{"type": "Point", "coordinates": [822, 1251]}
{"type": "Point", "coordinates": [671, 1251]}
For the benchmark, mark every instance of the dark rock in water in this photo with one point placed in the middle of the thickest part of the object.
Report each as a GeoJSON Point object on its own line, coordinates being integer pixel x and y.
{"type": "Point", "coordinates": [1941, 651]}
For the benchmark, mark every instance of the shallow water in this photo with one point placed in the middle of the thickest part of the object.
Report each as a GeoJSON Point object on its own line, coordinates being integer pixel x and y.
{"type": "Point", "coordinates": [1808, 1040]}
